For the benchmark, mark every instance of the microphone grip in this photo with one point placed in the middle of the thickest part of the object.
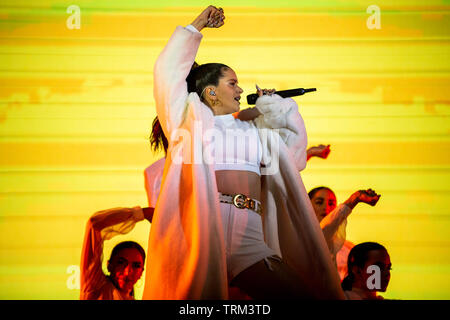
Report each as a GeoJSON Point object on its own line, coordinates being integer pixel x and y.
{"type": "Point", "coordinates": [251, 98]}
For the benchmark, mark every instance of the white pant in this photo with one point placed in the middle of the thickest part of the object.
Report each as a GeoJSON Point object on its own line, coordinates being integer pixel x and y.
{"type": "Point", "coordinates": [244, 239]}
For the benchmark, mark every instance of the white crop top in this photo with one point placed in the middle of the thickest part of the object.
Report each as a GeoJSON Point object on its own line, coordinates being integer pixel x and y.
{"type": "Point", "coordinates": [236, 145]}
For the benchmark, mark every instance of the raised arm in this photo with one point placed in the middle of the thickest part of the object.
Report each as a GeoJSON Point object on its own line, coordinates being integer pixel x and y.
{"type": "Point", "coordinates": [101, 226]}
{"type": "Point", "coordinates": [333, 225]}
{"type": "Point", "coordinates": [173, 66]}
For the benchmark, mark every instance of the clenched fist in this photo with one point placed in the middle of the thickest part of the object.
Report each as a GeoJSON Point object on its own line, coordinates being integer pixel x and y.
{"type": "Point", "coordinates": [211, 17]}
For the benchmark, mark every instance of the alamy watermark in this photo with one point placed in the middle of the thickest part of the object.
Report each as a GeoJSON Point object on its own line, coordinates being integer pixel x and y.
{"type": "Point", "coordinates": [74, 20]}
{"type": "Point", "coordinates": [374, 281]}
{"type": "Point", "coordinates": [374, 20]}
{"type": "Point", "coordinates": [73, 280]}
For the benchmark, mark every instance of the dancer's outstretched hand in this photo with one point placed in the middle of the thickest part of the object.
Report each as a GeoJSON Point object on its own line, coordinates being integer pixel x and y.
{"type": "Point", "coordinates": [211, 17]}
{"type": "Point", "coordinates": [368, 196]}
{"type": "Point", "coordinates": [320, 151]}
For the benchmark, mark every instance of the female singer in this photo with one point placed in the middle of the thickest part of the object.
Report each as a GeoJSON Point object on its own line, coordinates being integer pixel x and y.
{"type": "Point", "coordinates": [232, 207]}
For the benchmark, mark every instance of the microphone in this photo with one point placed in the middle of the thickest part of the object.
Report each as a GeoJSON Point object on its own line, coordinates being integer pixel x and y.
{"type": "Point", "coordinates": [251, 98]}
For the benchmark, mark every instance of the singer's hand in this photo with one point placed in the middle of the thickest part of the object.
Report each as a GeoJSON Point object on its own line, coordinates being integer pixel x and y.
{"type": "Point", "coordinates": [211, 17]}
{"type": "Point", "coordinates": [261, 92]}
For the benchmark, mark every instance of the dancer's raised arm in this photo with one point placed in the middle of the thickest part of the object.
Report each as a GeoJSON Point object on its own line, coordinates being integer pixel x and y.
{"type": "Point", "coordinates": [332, 222]}
{"type": "Point", "coordinates": [101, 226]}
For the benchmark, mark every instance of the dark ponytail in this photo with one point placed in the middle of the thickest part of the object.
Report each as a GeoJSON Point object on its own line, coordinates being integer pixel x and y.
{"type": "Point", "coordinates": [197, 80]}
{"type": "Point", "coordinates": [158, 139]}
{"type": "Point", "coordinates": [204, 75]}
{"type": "Point", "coordinates": [357, 257]}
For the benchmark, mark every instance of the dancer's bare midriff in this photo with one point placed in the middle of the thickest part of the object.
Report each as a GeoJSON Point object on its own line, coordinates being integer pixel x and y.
{"type": "Point", "coordinates": [235, 181]}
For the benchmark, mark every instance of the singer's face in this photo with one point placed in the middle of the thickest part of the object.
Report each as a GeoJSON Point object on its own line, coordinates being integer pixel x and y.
{"type": "Point", "coordinates": [228, 93]}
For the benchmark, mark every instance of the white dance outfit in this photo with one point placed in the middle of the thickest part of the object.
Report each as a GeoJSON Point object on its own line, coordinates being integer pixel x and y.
{"type": "Point", "coordinates": [197, 244]}
{"type": "Point", "coordinates": [334, 229]}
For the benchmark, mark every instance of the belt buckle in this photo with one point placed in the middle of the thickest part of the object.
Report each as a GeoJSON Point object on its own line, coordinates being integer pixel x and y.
{"type": "Point", "coordinates": [240, 201]}
{"type": "Point", "coordinates": [251, 204]}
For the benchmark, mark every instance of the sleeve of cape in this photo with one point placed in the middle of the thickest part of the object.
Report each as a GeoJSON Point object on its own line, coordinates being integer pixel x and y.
{"type": "Point", "coordinates": [290, 225]}
{"type": "Point", "coordinates": [170, 71]}
{"type": "Point", "coordinates": [282, 114]}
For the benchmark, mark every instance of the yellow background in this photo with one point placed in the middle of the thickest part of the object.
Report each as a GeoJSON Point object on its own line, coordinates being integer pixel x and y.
{"type": "Point", "coordinates": [76, 108]}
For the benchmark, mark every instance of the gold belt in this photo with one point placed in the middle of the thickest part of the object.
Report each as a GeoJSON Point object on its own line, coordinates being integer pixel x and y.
{"type": "Point", "coordinates": [241, 201]}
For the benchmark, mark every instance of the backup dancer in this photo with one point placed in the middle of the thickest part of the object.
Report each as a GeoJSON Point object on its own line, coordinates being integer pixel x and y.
{"type": "Point", "coordinates": [127, 259]}
{"type": "Point", "coordinates": [333, 220]}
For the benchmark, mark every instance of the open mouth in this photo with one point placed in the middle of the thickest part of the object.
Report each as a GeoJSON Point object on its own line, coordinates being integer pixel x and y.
{"type": "Point", "coordinates": [237, 98]}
